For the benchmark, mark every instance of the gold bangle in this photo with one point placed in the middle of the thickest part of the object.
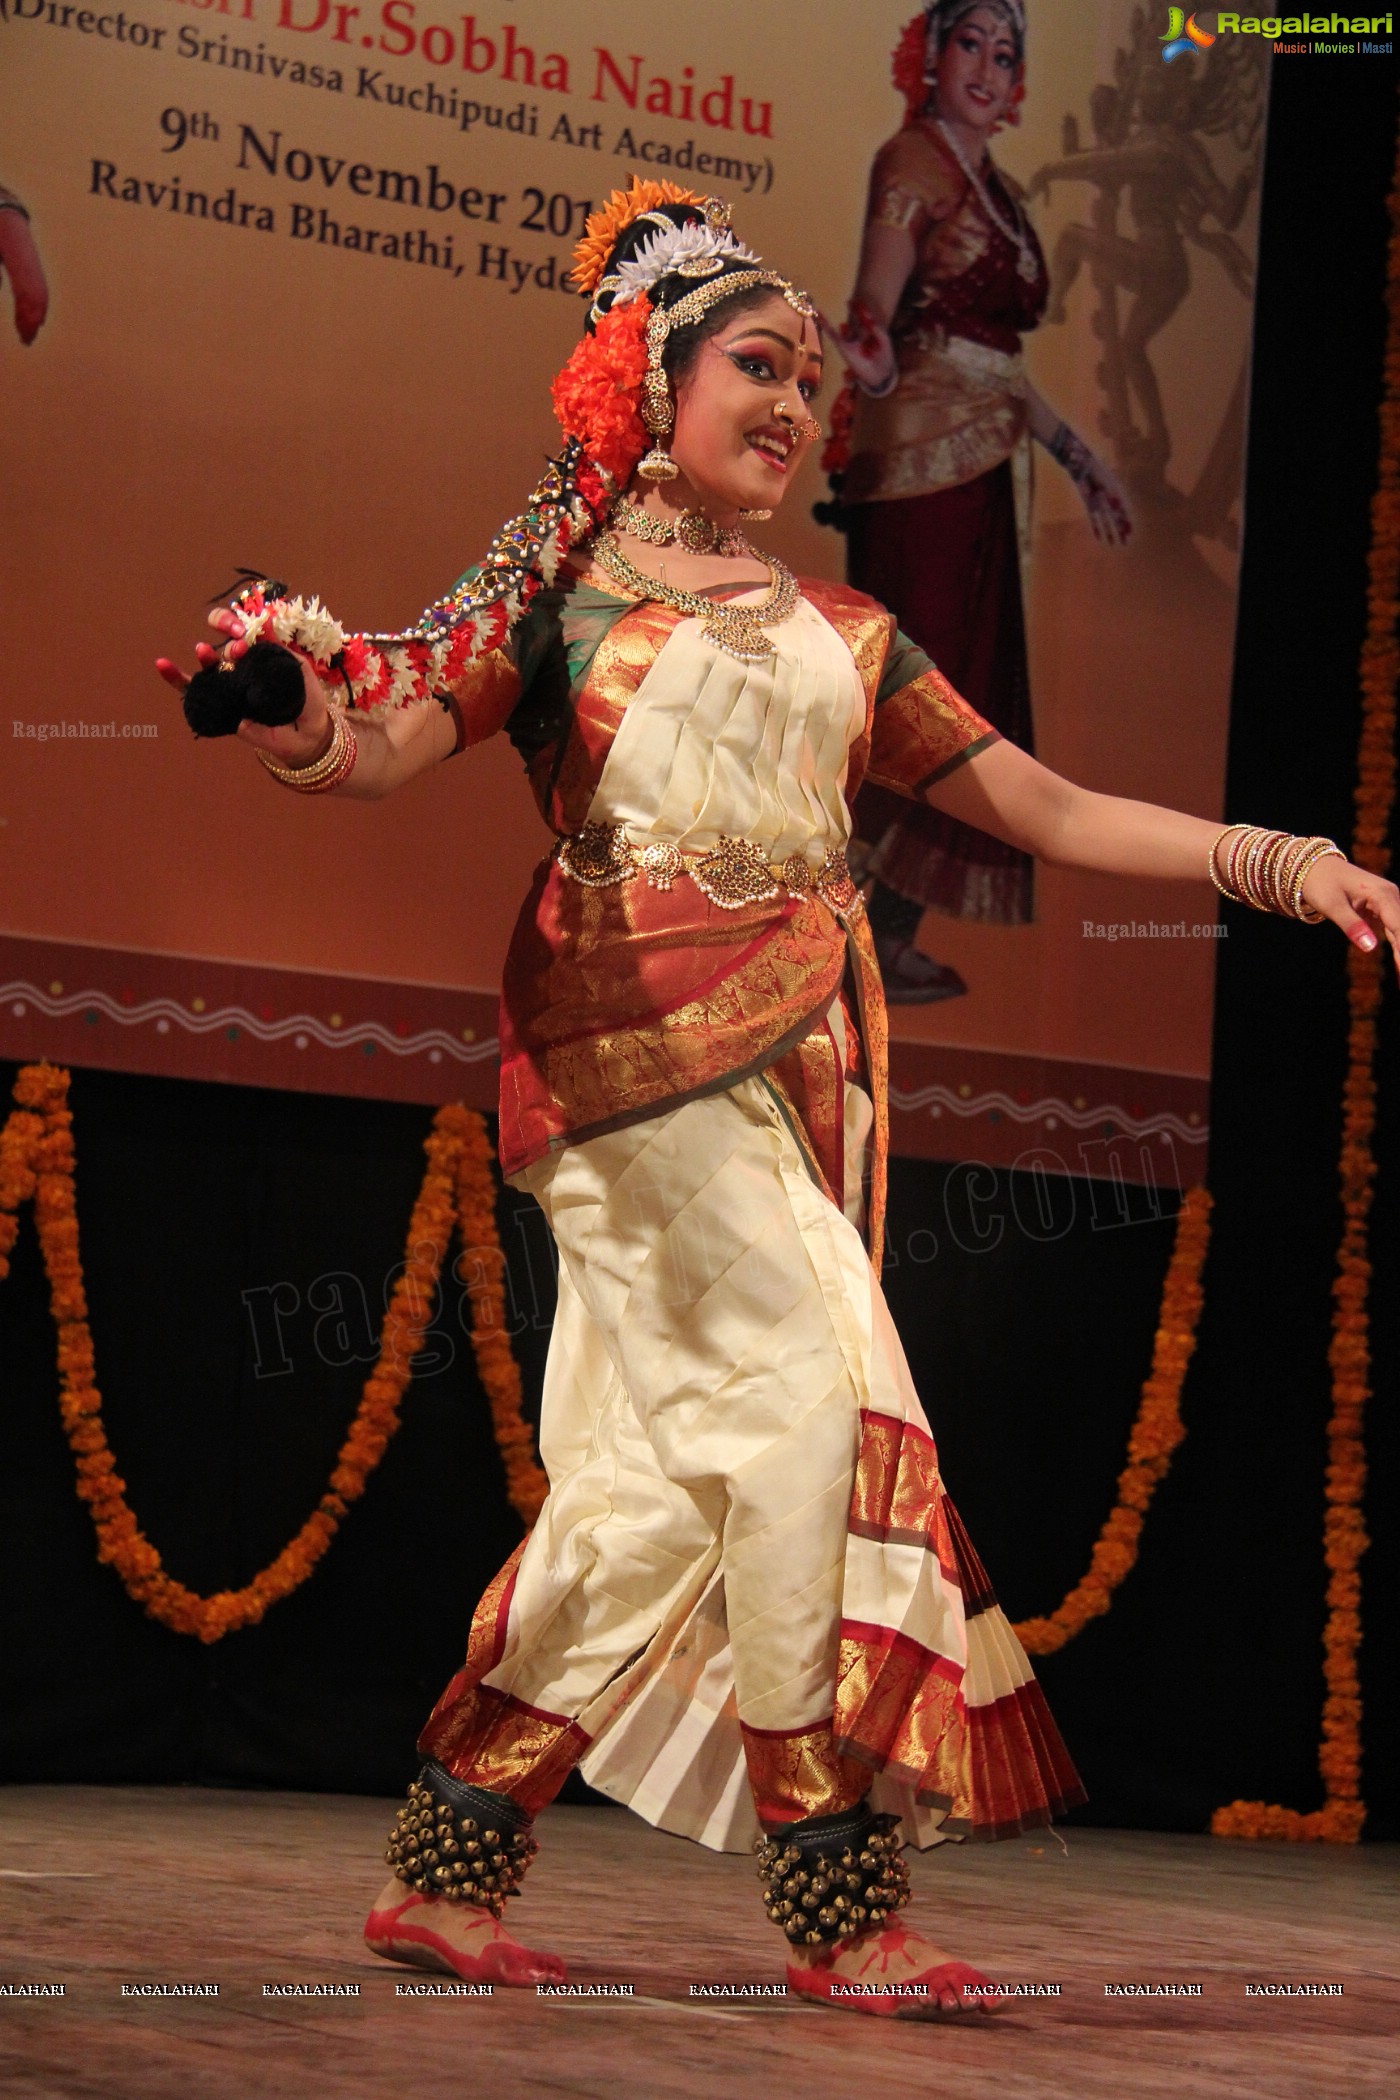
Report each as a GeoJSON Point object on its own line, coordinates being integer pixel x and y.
{"type": "Point", "coordinates": [1288, 868]}
{"type": "Point", "coordinates": [1267, 869]}
{"type": "Point", "coordinates": [1212, 864]}
{"type": "Point", "coordinates": [334, 765]}
{"type": "Point", "coordinates": [1270, 862]}
{"type": "Point", "coordinates": [1320, 849]}
{"type": "Point", "coordinates": [1249, 866]}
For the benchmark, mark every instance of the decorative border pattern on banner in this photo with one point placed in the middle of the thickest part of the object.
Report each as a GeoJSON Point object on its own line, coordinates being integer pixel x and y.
{"type": "Point", "coordinates": [253, 1024]}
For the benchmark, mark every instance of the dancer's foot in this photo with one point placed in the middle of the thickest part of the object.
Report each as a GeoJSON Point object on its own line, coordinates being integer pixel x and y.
{"type": "Point", "coordinates": [912, 978]}
{"type": "Point", "coordinates": [432, 1932]}
{"type": "Point", "coordinates": [893, 1973]}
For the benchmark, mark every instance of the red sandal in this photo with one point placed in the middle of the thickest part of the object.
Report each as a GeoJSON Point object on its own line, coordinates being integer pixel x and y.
{"type": "Point", "coordinates": [502, 1960]}
{"type": "Point", "coordinates": [918, 1997]}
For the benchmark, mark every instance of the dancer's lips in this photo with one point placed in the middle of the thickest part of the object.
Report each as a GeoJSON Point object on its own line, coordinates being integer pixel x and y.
{"type": "Point", "coordinates": [771, 444]}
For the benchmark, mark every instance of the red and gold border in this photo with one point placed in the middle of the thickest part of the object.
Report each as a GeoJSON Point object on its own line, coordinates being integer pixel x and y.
{"type": "Point", "coordinates": [251, 1024]}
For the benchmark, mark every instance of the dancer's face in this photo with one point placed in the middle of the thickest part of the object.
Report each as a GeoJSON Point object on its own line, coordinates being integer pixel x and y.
{"type": "Point", "coordinates": [977, 71]}
{"type": "Point", "coordinates": [738, 408]}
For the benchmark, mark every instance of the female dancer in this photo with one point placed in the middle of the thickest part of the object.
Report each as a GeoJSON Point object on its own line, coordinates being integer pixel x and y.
{"type": "Point", "coordinates": [748, 1607]}
{"type": "Point", "coordinates": [935, 492]}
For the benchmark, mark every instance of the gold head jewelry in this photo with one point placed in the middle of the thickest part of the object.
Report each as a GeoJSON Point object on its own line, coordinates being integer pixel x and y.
{"type": "Point", "coordinates": [658, 403]}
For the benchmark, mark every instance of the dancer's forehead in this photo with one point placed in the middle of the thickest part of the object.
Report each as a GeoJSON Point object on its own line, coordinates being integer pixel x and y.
{"type": "Point", "coordinates": [776, 323]}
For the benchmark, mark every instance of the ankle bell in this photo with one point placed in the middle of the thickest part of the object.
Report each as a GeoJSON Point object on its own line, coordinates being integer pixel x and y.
{"type": "Point", "coordinates": [459, 1841]}
{"type": "Point", "coordinates": [828, 1878]}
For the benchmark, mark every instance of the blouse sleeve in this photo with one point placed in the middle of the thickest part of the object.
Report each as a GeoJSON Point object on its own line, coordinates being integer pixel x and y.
{"type": "Point", "coordinates": [922, 727]}
{"type": "Point", "coordinates": [910, 185]}
{"type": "Point", "coordinates": [481, 696]}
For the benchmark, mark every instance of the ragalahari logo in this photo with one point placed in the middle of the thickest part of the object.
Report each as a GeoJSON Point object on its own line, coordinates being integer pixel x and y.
{"type": "Point", "coordinates": [1184, 33]}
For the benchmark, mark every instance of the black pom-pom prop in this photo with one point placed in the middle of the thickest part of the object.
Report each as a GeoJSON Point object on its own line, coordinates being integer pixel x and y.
{"type": "Point", "coordinates": [265, 685]}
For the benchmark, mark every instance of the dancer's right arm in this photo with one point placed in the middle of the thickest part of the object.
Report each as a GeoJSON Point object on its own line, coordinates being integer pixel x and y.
{"type": "Point", "coordinates": [393, 745]}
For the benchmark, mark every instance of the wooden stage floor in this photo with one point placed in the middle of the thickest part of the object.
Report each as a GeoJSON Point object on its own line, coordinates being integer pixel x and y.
{"type": "Point", "coordinates": [101, 1888]}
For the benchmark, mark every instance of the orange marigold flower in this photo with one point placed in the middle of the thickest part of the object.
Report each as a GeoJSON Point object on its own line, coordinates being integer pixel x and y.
{"type": "Point", "coordinates": [597, 395]}
{"type": "Point", "coordinates": [603, 227]}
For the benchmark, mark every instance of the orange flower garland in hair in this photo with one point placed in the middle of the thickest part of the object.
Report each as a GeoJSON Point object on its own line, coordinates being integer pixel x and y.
{"type": "Point", "coordinates": [36, 1161]}
{"type": "Point", "coordinates": [1343, 1814]}
{"type": "Point", "coordinates": [1154, 1437]}
{"type": "Point", "coordinates": [597, 395]}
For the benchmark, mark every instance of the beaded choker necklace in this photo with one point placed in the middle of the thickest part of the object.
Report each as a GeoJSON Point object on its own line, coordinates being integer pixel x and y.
{"type": "Point", "coordinates": [737, 629]}
{"type": "Point", "coordinates": [691, 530]}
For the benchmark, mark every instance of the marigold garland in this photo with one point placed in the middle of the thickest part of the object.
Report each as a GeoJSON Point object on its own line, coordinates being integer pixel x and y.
{"type": "Point", "coordinates": [36, 1163]}
{"type": "Point", "coordinates": [1343, 1813]}
{"type": "Point", "coordinates": [526, 1483]}
{"type": "Point", "coordinates": [597, 395]}
{"type": "Point", "coordinates": [1155, 1435]}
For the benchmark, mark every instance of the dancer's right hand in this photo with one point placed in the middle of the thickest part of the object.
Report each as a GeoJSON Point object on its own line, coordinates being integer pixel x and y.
{"type": "Point", "coordinates": [867, 349]}
{"type": "Point", "coordinates": [297, 743]}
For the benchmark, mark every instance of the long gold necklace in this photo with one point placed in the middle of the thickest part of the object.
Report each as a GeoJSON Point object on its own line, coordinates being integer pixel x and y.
{"type": "Point", "coordinates": [737, 629]}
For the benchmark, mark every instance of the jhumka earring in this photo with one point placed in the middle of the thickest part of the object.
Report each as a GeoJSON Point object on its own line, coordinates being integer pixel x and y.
{"type": "Point", "coordinates": [659, 416]}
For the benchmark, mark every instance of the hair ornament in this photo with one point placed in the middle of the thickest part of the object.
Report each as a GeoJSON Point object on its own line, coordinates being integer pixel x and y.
{"type": "Point", "coordinates": [696, 249]}
{"type": "Point", "coordinates": [606, 226]}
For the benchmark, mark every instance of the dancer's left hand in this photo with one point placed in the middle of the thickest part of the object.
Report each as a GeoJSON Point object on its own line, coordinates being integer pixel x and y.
{"type": "Point", "coordinates": [1365, 906]}
{"type": "Point", "coordinates": [1103, 498]}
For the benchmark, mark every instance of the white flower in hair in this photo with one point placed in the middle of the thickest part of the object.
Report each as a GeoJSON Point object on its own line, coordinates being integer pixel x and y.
{"type": "Point", "coordinates": [686, 250]}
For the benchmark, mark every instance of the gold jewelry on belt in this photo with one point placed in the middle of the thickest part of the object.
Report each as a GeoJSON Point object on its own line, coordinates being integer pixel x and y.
{"type": "Point", "coordinates": [732, 873]}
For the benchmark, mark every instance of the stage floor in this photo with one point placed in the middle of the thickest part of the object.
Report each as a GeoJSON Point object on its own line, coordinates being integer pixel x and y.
{"type": "Point", "coordinates": [105, 1887]}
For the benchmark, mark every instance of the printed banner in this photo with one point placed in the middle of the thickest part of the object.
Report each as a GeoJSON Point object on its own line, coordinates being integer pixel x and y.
{"type": "Point", "coordinates": [294, 278]}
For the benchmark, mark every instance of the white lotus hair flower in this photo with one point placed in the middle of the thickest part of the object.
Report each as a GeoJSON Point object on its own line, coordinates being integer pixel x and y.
{"type": "Point", "coordinates": [673, 248]}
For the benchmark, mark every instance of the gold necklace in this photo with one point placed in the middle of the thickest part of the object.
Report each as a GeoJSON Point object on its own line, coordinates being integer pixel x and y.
{"type": "Point", "coordinates": [737, 629]}
{"type": "Point", "coordinates": [691, 530]}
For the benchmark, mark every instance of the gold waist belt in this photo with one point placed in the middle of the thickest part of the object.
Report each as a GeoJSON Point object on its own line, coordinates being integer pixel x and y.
{"type": "Point", "coordinates": [732, 873]}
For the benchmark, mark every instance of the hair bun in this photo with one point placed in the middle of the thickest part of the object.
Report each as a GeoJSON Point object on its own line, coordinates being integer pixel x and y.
{"type": "Point", "coordinates": [606, 226]}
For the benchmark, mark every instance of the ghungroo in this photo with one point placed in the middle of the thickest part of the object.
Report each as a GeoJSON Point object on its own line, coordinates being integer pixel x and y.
{"type": "Point", "coordinates": [833, 1876]}
{"type": "Point", "coordinates": [460, 1841]}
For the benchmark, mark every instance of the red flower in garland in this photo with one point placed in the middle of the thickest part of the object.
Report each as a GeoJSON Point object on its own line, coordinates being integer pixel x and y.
{"type": "Point", "coordinates": [907, 69]}
{"type": "Point", "coordinates": [597, 395]}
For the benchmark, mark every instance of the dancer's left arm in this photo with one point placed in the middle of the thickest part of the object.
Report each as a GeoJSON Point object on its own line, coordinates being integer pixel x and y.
{"type": "Point", "coordinates": [1001, 789]}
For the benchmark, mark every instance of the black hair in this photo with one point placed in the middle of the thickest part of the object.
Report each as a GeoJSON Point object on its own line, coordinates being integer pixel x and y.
{"type": "Point", "coordinates": [684, 344]}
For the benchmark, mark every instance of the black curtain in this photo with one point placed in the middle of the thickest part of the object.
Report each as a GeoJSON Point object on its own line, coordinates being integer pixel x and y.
{"type": "Point", "coordinates": [238, 1243]}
